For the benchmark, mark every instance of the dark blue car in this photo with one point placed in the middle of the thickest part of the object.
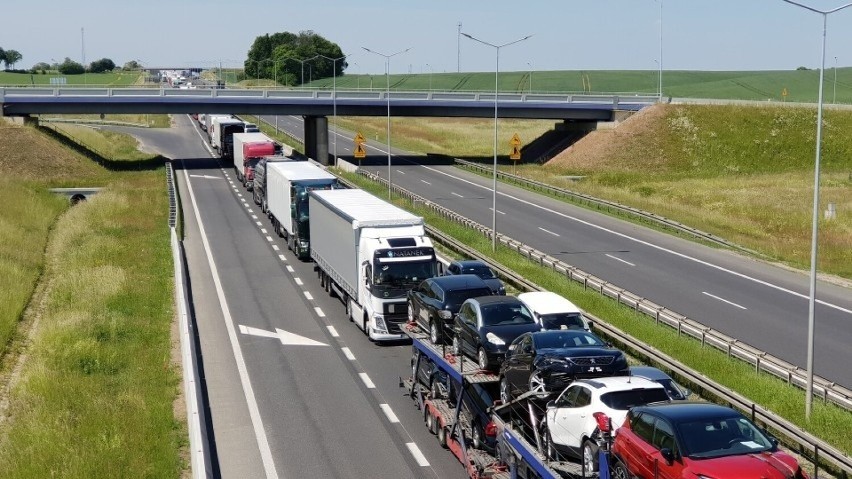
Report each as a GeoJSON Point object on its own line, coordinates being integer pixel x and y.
{"type": "Point", "coordinates": [435, 301]}
{"type": "Point", "coordinates": [485, 327]}
{"type": "Point", "coordinates": [474, 266]}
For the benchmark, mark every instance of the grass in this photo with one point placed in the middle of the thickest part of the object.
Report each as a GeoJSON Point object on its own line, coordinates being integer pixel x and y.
{"type": "Point", "coordinates": [96, 393]}
{"type": "Point", "coordinates": [152, 121]}
{"type": "Point", "coordinates": [90, 79]}
{"type": "Point", "coordinates": [828, 422]}
{"type": "Point", "coordinates": [106, 143]}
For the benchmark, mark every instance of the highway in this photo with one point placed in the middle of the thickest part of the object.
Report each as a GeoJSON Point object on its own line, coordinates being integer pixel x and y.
{"type": "Point", "coordinates": [294, 389]}
{"type": "Point", "coordinates": [761, 304]}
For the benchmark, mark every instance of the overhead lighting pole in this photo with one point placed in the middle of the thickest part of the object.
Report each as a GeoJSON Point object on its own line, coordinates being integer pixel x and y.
{"type": "Point", "coordinates": [660, 64]}
{"type": "Point", "coordinates": [431, 70]}
{"type": "Point", "coordinates": [494, 186]}
{"type": "Point", "coordinates": [834, 98]}
{"type": "Point", "coordinates": [529, 64]}
{"type": "Point", "coordinates": [458, 51]}
{"type": "Point", "coordinates": [809, 394]}
{"type": "Point", "coordinates": [387, 95]}
{"type": "Point", "coordinates": [334, 98]}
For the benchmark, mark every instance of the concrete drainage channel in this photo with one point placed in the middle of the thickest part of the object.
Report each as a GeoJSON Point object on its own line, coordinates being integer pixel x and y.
{"type": "Point", "coordinates": [76, 195]}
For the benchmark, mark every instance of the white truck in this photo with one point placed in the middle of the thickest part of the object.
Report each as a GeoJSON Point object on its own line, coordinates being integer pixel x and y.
{"type": "Point", "coordinates": [287, 186]}
{"type": "Point", "coordinates": [222, 137]}
{"type": "Point", "coordinates": [249, 148]}
{"type": "Point", "coordinates": [369, 253]}
{"type": "Point", "coordinates": [209, 122]}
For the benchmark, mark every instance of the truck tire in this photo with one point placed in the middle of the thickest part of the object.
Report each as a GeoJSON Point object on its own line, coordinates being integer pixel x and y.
{"type": "Point", "coordinates": [430, 422]}
{"type": "Point", "coordinates": [442, 436]}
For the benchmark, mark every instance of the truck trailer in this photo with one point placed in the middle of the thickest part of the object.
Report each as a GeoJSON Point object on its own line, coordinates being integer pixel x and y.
{"type": "Point", "coordinates": [369, 253]}
{"type": "Point", "coordinates": [287, 186]}
{"type": "Point", "coordinates": [249, 148]}
{"type": "Point", "coordinates": [223, 135]}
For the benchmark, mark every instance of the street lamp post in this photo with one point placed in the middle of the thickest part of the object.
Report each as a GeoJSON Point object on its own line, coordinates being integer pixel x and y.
{"type": "Point", "coordinates": [334, 98]}
{"type": "Point", "coordinates": [660, 63]}
{"type": "Point", "coordinates": [834, 97]}
{"type": "Point", "coordinates": [431, 70]}
{"type": "Point", "coordinates": [812, 296]}
{"type": "Point", "coordinates": [531, 69]}
{"type": "Point", "coordinates": [387, 95]}
{"type": "Point", "coordinates": [494, 186]}
{"type": "Point", "coordinates": [660, 88]}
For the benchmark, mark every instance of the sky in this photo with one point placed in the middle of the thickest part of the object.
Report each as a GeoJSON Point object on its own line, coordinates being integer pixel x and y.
{"type": "Point", "coordinates": [566, 34]}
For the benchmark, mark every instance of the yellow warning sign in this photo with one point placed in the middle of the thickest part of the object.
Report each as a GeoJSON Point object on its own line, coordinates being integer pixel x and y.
{"type": "Point", "coordinates": [516, 140]}
{"type": "Point", "coordinates": [359, 138]}
{"type": "Point", "coordinates": [360, 151]}
{"type": "Point", "coordinates": [516, 153]}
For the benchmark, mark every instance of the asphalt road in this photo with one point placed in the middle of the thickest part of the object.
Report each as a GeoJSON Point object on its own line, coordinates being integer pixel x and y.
{"type": "Point", "coordinates": [761, 304]}
{"type": "Point", "coordinates": [295, 390]}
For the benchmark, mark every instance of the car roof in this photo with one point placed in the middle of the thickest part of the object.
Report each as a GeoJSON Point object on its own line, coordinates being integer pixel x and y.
{"type": "Point", "coordinates": [470, 262]}
{"type": "Point", "coordinates": [619, 383]}
{"type": "Point", "coordinates": [547, 302]}
{"type": "Point", "coordinates": [648, 372]}
{"type": "Point", "coordinates": [683, 411]}
{"type": "Point", "coordinates": [489, 300]}
{"type": "Point", "coordinates": [459, 281]}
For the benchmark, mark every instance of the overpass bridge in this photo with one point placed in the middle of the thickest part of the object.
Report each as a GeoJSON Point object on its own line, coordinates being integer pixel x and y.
{"type": "Point", "coordinates": [316, 105]}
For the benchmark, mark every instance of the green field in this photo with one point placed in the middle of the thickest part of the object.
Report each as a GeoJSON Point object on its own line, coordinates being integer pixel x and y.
{"type": "Point", "coordinates": [88, 79]}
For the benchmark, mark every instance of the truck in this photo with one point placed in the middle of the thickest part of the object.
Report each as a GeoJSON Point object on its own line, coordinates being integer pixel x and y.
{"type": "Point", "coordinates": [490, 439]}
{"type": "Point", "coordinates": [369, 253]}
{"type": "Point", "coordinates": [209, 123]}
{"type": "Point", "coordinates": [223, 135]}
{"type": "Point", "coordinates": [287, 186]}
{"type": "Point", "coordinates": [258, 189]}
{"type": "Point", "coordinates": [249, 148]}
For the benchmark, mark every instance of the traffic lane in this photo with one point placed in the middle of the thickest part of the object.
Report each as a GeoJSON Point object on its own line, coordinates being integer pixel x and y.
{"type": "Point", "coordinates": [772, 325]}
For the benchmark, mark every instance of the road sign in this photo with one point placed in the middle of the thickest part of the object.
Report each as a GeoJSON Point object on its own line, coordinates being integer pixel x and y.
{"type": "Point", "coordinates": [359, 138]}
{"type": "Point", "coordinates": [360, 151]}
{"type": "Point", "coordinates": [516, 140]}
{"type": "Point", "coordinates": [516, 153]}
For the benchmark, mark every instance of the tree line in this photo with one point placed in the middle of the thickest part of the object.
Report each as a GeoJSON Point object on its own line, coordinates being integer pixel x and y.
{"type": "Point", "coordinates": [68, 67]}
{"type": "Point", "coordinates": [293, 59]}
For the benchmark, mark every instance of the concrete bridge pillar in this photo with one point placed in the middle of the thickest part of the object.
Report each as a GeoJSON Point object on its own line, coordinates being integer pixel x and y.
{"type": "Point", "coordinates": [316, 138]}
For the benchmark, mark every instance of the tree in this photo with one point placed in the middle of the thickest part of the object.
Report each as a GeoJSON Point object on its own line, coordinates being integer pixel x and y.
{"type": "Point", "coordinates": [70, 67]}
{"type": "Point", "coordinates": [131, 65]}
{"type": "Point", "coordinates": [102, 65]}
{"type": "Point", "coordinates": [284, 52]}
{"type": "Point", "coordinates": [40, 66]}
{"type": "Point", "coordinates": [11, 57]}
{"type": "Point", "coordinates": [2, 55]}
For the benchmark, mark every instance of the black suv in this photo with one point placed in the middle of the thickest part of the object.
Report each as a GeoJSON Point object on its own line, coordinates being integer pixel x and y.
{"type": "Point", "coordinates": [434, 302]}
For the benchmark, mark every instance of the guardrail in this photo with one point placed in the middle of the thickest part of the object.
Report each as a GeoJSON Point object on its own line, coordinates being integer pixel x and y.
{"type": "Point", "coordinates": [807, 444]}
{"type": "Point", "coordinates": [601, 204]}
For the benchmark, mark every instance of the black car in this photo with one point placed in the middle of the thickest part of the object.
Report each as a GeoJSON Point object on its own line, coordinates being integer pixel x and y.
{"type": "Point", "coordinates": [675, 391]}
{"type": "Point", "coordinates": [474, 266]}
{"type": "Point", "coordinates": [434, 302]}
{"type": "Point", "coordinates": [547, 361]}
{"type": "Point", "coordinates": [486, 325]}
{"type": "Point", "coordinates": [477, 398]}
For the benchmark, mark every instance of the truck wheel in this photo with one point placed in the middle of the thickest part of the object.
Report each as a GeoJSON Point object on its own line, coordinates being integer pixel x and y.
{"type": "Point", "coordinates": [590, 456]}
{"type": "Point", "coordinates": [442, 436]}
{"type": "Point", "coordinates": [430, 422]}
{"type": "Point", "coordinates": [348, 308]}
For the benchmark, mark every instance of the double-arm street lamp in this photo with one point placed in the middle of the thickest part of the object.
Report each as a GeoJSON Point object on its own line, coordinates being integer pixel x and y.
{"type": "Point", "coordinates": [387, 95]}
{"type": "Point", "coordinates": [812, 296]}
{"type": "Point", "coordinates": [334, 97]}
{"type": "Point", "coordinates": [496, 72]}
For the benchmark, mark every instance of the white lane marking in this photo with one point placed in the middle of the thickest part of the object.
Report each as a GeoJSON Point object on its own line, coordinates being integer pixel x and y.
{"type": "Point", "coordinates": [549, 232]}
{"type": "Point", "coordinates": [309, 296]}
{"type": "Point", "coordinates": [424, 181]}
{"type": "Point", "coordinates": [298, 281]}
{"type": "Point", "coordinates": [492, 209]}
{"type": "Point", "coordinates": [319, 312]}
{"type": "Point", "coordinates": [248, 392]}
{"type": "Point", "coordinates": [254, 217]}
{"type": "Point", "coordinates": [275, 247]}
{"type": "Point", "coordinates": [456, 194]}
{"type": "Point", "coordinates": [619, 259]}
{"type": "Point", "coordinates": [258, 222]}
{"type": "Point", "coordinates": [642, 242]}
{"type": "Point", "coordinates": [206, 177]}
{"type": "Point", "coordinates": [282, 257]}
{"type": "Point", "coordinates": [389, 413]}
{"type": "Point", "coordinates": [251, 212]}
{"type": "Point", "coordinates": [418, 456]}
{"type": "Point", "coordinates": [269, 238]}
{"type": "Point", "coordinates": [348, 353]}
{"type": "Point", "coordinates": [257, 332]}
{"type": "Point", "coordinates": [262, 230]}
{"type": "Point", "coordinates": [333, 332]}
{"type": "Point", "coordinates": [398, 171]}
{"type": "Point", "coordinates": [288, 338]}
{"type": "Point", "coordinates": [723, 300]}
{"type": "Point", "coordinates": [246, 205]}
{"type": "Point", "coordinates": [240, 195]}
{"type": "Point", "coordinates": [290, 269]}
{"type": "Point", "coordinates": [367, 381]}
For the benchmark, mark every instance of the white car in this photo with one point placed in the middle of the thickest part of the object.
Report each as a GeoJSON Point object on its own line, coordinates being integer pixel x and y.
{"type": "Point", "coordinates": [571, 421]}
{"type": "Point", "coordinates": [552, 311]}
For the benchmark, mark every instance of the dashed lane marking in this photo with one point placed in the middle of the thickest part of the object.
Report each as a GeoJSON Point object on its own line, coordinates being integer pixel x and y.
{"type": "Point", "coordinates": [389, 413]}
{"type": "Point", "coordinates": [309, 296]}
{"type": "Point", "coordinates": [547, 231]}
{"type": "Point", "coordinates": [418, 456]}
{"type": "Point", "coordinates": [319, 312]}
{"type": "Point", "coordinates": [333, 332]}
{"type": "Point", "coordinates": [723, 300]}
{"type": "Point", "coordinates": [619, 259]}
{"type": "Point", "coordinates": [282, 257]}
{"type": "Point", "coordinates": [298, 281]}
{"type": "Point", "coordinates": [367, 381]}
{"type": "Point", "coordinates": [348, 353]}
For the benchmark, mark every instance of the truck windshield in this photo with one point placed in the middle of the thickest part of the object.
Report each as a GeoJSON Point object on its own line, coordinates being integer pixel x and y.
{"type": "Point", "coordinates": [404, 275]}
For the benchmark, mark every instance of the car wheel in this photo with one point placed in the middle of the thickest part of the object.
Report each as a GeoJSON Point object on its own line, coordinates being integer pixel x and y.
{"type": "Point", "coordinates": [537, 383]}
{"type": "Point", "coordinates": [434, 332]}
{"type": "Point", "coordinates": [435, 389]}
{"type": "Point", "coordinates": [619, 471]}
{"type": "Point", "coordinates": [482, 358]}
{"type": "Point", "coordinates": [590, 456]}
{"type": "Point", "coordinates": [457, 346]}
{"type": "Point", "coordinates": [549, 448]}
{"type": "Point", "coordinates": [505, 390]}
{"type": "Point", "coordinates": [476, 439]}
{"type": "Point", "coordinates": [410, 312]}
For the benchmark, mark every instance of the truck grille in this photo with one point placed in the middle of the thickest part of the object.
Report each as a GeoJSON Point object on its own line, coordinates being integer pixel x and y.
{"type": "Point", "coordinates": [593, 360]}
{"type": "Point", "coordinates": [395, 309]}
{"type": "Point", "coordinates": [395, 323]}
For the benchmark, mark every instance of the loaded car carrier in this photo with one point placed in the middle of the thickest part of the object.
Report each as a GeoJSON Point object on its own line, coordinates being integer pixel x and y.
{"type": "Point", "coordinates": [514, 427]}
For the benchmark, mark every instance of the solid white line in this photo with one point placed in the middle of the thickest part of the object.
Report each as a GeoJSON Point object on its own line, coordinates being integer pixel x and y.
{"type": "Point", "coordinates": [723, 300]}
{"type": "Point", "coordinates": [619, 259]}
{"type": "Point", "coordinates": [348, 354]}
{"type": "Point", "coordinates": [309, 296]}
{"type": "Point", "coordinates": [389, 413]}
{"type": "Point", "coordinates": [269, 238]}
{"type": "Point", "coordinates": [319, 312]}
{"type": "Point", "coordinates": [290, 268]}
{"type": "Point", "coordinates": [248, 392]}
{"type": "Point", "coordinates": [548, 231]}
{"type": "Point", "coordinates": [367, 381]}
{"type": "Point", "coordinates": [650, 245]}
{"type": "Point", "coordinates": [262, 230]}
{"type": "Point", "coordinates": [424, 181]}
{"type": "Point", "coordinates": [418, 456]}
{"type": "Point", "coordinates": [333, 332]}
{"type": "Point", "coordinates": [282, 257]}
{"type": "Point", "coordinates": [298, 281]}
{"type": "Point", "coordinates": [454, 193]}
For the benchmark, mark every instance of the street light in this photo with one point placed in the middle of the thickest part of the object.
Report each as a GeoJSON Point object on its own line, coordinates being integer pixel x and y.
{"type": "Point", "coordinates": [812, 296]}
{"type": "Point", "coordinates": [431, 70]}
{"type": "Point", "coordinates": [531, 69]}
{"type": "Point", "coordinates": [834, 98]}
{"type": "Point", "coordinates": [496, 72]}
{"type": "Point", "coordinates": [659, 90]}
{"type": "Point", "coordinates": [387, 94]}
{"type": "Point", "coordinates": [660, 63]}
{"type": "Point", "coordinates": [334, 98]}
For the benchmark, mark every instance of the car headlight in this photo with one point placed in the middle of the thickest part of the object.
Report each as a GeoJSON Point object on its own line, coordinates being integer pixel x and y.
{"type": "Point", "coordinates": [494, 339]}
{"type": "Point", "coordinates": [380, 324]}
{"type": "Point", "coordinates": [555, 361]}
{"type": "Point", "coordinates": [445, 314]}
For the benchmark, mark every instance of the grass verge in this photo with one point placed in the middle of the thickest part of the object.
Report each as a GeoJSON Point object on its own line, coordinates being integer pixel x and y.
{"type": "Point", "coordinates": [280, 135]}
{"type": "Point", "coordinates": [828, 422]}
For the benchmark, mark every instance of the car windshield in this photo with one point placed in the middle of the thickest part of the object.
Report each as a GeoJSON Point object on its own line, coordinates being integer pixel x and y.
{"type": "Point", "coordinates": [722, 437]}
{"type": "Point", "coordinates": [558, 320]}
{"type": "Point", "coordinates": [505, 314]}
{"type": "Point", "coordinates": [455, 298]}
{"type": "Point", "coordinates": [624, 400]}
{"type": "Point", "coordinates": [566, 339]}
{"type": "Point", "coordinates": [482, 271]}
{"type": "Point", "coordinates": [672, 389]}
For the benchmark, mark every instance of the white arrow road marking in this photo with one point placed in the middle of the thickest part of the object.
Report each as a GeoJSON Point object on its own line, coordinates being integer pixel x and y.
{"type": "Point", "coordinates": [257, 332]}
{"type": "Point", "coordinates": [723, 300]}
{"type": "Point", "coordinates": [287, 338]}
{"type": "Point", "coordinates": [206, 177]}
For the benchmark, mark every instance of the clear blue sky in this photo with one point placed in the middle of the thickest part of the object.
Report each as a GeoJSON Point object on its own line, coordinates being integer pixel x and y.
{"type": "Point", "coordinates": [568, 34]}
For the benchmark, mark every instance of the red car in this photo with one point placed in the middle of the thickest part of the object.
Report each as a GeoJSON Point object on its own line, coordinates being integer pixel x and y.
{"type": "Point", "coordinates": [693, 440]}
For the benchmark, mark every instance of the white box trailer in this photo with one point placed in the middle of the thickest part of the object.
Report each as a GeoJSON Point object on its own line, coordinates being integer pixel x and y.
{"type": "Point", "coordinates": [287, 187]}
{"type": "Point", "coordinates": [249, 148]}
{"type": "Point", "coordinates": [370, 253]}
